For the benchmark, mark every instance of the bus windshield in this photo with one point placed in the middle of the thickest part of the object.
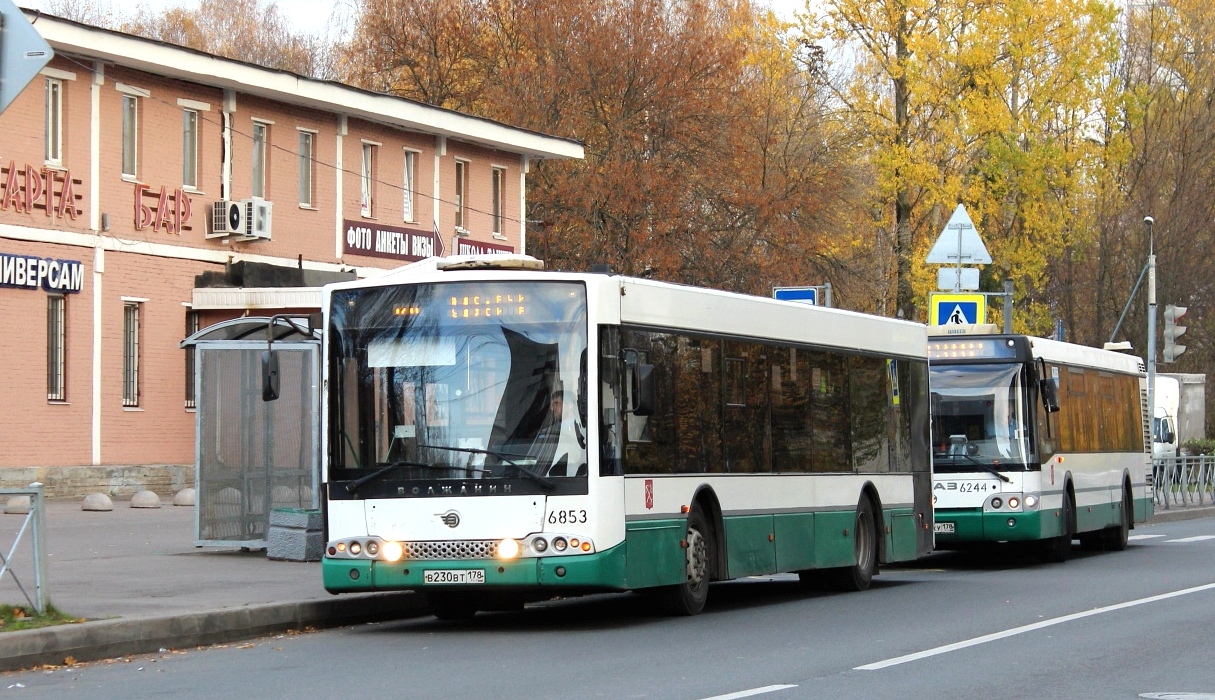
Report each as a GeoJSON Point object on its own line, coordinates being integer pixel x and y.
{"type": "Point", "coordinates": [978, 418]}
{"type": "Point", "coordinates": [477, 382]}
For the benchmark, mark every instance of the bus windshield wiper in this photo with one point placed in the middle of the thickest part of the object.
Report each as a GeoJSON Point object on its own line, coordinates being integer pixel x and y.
{"type": "Point", "coordinates": [987, 468]}
{"type": "Point", "coordinates": [358, 483]}
{"type": "Point", "coordinates": [539, 479]}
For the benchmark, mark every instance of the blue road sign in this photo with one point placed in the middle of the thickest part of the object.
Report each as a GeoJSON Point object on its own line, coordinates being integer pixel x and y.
{"type": "Point", "coordinates": [806, 295]}
{"type": "Point", "coordinates": [957, 309]}
{"type": "Point", "coordinates": [23, 52]}
{"type": "Point", "coordinates": [957, 312]}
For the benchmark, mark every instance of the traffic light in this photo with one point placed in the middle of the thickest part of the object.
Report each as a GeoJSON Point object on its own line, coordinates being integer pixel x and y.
{"type": "Point", "coordinates": [1172, 331]}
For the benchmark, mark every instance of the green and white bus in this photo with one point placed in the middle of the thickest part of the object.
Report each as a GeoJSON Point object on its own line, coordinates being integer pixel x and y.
{"type": "Point", "coordinates": [1037, 441]}
{"type": "Point", "coordinates": [497, 433]}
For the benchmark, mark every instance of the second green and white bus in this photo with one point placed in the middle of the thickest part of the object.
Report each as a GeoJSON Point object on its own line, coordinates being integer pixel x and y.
{"type": "Point", "coordinates": [1036, 441]}
{"type": "Point", "coordinates": [497, 433]}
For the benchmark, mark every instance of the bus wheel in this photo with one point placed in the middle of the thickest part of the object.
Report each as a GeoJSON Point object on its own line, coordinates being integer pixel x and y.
{"type": "Point", "coordinates": [1057, 549]}
{"type": "Point", "coordinates": [1115, 539]}
{"type": "Point", "coordinates": [452, 605]}
{"type": "Point", "coordinates": [858, 576]}
{"type": "Point", "coordinates": [688, 598]}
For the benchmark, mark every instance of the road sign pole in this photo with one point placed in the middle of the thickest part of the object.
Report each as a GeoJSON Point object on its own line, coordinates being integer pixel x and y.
{"type": "Point", "coordinates": [1151, 329]}
{"type": "Point", "coordinates": [1008, 304]}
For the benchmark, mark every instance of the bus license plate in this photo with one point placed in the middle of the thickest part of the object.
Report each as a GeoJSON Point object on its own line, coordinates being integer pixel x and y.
{"type": "Point", "coordinates": [453, 576]}
{"type": "Point", "coordinates": [945, 528]}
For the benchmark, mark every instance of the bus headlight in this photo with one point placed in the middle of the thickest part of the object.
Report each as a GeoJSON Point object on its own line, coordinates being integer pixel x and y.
{"type": "Point", "coordinates": [1014, 502]}
{"type": "Point", "coordinates": [392, 551]}
{"type": "Point", "coordinates": [1031, 501]}
{"type": "Point", "coordinates": [508, 548]}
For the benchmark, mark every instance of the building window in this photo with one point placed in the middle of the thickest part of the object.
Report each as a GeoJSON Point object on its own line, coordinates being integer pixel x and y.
{"type": "Point", "coordinates": [189, 148]}
{"type": "Point", "coordinates": [130, 353]}
{"type": "Point", "coordinates": [461, 194]}
{"type": "Point", "coordinates": [499, 199]}
{"type": "Point", "coordinates": [410, 160]}
{"type": "Point", "coordinates": [306, 165]}
{"type": "Point", "coordinates": [192, 323]}
{"type": "Point", "coordinates": [54, 121]}
{"type": "Point", "coordinates": [130, 136]}
{"type": "Point", "coordinates": [368, 178]}
{"type": "Point", "coordinates": [56, 343]}
{"type": "Point", "coordinates": [261, 138]}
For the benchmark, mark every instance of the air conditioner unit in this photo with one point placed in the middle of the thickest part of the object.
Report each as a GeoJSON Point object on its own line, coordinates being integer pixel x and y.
{"type": "Point", "coordinates": [245, 219]}
{"type": "Point", "coordinates": [258, 216]}
{"type": "Point", "coordinates": [228, 218]}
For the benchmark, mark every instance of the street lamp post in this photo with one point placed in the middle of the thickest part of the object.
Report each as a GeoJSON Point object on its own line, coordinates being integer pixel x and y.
{"type": "Point", "coordinates": [1151, 329]}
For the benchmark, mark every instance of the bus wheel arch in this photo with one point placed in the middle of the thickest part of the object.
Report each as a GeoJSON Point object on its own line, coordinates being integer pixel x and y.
{"type": "Point", "coordinates": [1058, 549]}
{"type": "Point", "coordinates": [867, 540]}
{"type": "Point", "coordinates": [702, 547]}
{"type": "Point", "coordinates": [707, 501]}
{"type": "Point", "coordinates": [879, 521]}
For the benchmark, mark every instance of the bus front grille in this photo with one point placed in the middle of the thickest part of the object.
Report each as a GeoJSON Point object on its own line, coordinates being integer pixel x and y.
{"type": "Point", "coordinates": [455, 549]}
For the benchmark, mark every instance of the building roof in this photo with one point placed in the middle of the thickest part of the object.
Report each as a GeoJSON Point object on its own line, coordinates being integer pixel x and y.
{"type": "Point", "coordinates": [161, 58]}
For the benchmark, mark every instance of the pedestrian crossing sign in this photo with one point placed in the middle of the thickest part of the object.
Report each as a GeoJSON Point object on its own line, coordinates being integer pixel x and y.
{"type": "Point", "coordinates": [958, 309]}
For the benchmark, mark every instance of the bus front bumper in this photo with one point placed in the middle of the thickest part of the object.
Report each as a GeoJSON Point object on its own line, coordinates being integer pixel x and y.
{"type": "Point", "coordinates": [966, 525]}
{"type": "Point", "coordinates": [598, 571]}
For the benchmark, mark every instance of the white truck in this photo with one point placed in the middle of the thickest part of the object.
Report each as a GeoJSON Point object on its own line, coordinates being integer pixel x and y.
{"type": "Point", "coordinates": [1164, 422]}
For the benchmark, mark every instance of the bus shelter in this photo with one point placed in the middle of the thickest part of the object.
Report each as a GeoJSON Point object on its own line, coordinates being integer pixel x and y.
{"type": "Point", "coordinates": [253, 456]}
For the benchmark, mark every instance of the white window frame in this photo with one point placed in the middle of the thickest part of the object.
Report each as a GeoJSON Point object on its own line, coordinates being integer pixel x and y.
{"type": "Point", "coordinates": [56, 347]}
{"type": "Point", "coordinates": [54, 121]}
{"type": "Point", "coordinates": [189, 149]}
{"type": "Point", "coordinates": [130, 136]}
{"type": "Point", "coordinates": [193, 319]}
{"type": "Point", "coordinates": [410, 179]}
{"type": "Point", "coordinates": [461, 195]}
{"type": "Point", "coordinates": [498, 185]}
{"type": "Point", "coordinates": [261, 162]}
{"type": "Point", "coordinates": [131, 311]}
{"type": "Point", "coordinates": [307, 177]}
{"type": "Point", "coordinates": [367, 180]}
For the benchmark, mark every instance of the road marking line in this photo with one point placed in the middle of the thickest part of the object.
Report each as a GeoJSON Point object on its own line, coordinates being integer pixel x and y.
{"type": "Point", "coordinates": [749, 693]}
{"type": "Point", "coordinates": [1027, 628]}
{"type": "Point", "coordinates": [1145, 537]}
{"type": "Point", "coordinates": [1196, 538]}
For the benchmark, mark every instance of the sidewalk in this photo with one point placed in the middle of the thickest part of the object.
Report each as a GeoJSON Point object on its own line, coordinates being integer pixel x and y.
{"type": "Point", "coordinates": [135, 575]}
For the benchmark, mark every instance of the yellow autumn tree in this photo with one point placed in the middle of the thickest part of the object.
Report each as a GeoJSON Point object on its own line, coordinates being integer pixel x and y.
{"type": "Point", "coordinates": [983, 102]}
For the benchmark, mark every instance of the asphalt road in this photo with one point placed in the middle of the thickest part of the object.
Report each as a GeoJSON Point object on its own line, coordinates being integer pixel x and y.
{"type": "Point", "coordinates": [955, 625]}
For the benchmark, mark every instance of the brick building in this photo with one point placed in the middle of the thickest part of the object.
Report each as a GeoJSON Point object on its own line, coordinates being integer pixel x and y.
{"type": "Point", "coordinates": [148, 190]}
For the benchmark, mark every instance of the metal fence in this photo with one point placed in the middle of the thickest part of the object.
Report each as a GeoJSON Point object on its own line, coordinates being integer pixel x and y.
{"type": "Point", "coordinates": [1184, 481]}
{"type": "Point", "coordinates": [35, 525]}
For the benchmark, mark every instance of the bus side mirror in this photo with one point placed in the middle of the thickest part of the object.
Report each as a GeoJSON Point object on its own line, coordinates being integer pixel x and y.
{"type": "Point", "coordinates": [643, 390]}
{"type": "Point", "coordinates": [269, 375]}
{"type": "Point", "coordinates": [641, 384]}
{"type": "Point", "coordinates": [1050, 395]}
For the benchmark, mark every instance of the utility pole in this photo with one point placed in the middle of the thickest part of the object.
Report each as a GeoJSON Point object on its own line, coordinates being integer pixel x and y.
{"type": "Point", "coordinates": [1151, 329]}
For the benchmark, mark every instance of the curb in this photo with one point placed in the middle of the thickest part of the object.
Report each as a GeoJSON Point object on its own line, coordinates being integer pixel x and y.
{"type": "Point", "coordinates": [1172, 515]}
{"type": "Point", "coordinates": [108, 639]}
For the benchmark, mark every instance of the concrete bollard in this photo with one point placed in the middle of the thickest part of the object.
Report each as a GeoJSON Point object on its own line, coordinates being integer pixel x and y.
{"type": "Point", "coordinates": [184, 497]}
{"type": "Point", "coordinates": [145, 499]}
{"type": "Point", "coordinates": [294, 535]}
{"type": "Point", "coordinates": [97, 502]}
{"type": "Point", "coordinates": [17, 505]}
